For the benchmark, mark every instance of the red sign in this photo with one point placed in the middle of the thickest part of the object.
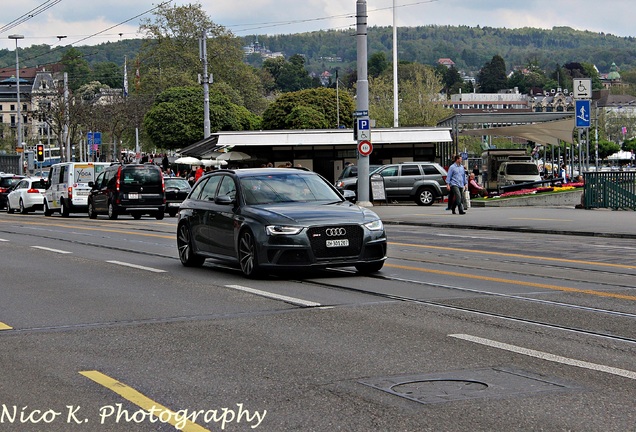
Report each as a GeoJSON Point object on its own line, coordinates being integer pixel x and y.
{"type": "Point", "coordinates": [365, 148]}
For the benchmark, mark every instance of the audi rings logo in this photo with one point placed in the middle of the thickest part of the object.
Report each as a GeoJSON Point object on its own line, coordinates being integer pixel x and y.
{"type": "Point", "coordinates": [335, 232]}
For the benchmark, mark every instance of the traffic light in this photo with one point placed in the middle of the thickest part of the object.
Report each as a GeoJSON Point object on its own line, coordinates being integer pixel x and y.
{"type": "Point", "coordinates": [39, 152]}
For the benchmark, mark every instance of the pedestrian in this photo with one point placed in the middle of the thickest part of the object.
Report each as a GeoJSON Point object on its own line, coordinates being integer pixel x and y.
{"type": "Point", "coordinates": [564, 174]}
{"type": "Point", "coordinates": [474, 189]}
{"type": "Point", "coordinates": [456, 183]}
{"type": "Point", "coordinates": [199, 172]}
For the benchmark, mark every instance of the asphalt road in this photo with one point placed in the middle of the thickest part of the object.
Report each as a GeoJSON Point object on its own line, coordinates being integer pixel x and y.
{"type": "Point", "coordinates": [463, 330]}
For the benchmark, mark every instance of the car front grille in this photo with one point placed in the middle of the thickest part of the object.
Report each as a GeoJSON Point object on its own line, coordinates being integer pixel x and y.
{"type": "Point", "coordinates": [318, 239]}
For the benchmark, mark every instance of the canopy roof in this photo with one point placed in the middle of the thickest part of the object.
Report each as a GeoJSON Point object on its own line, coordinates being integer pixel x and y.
{"type": "Point", "coordinates": [543, 133]}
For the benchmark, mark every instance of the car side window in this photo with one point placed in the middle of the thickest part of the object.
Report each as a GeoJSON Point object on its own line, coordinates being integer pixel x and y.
{"type": "Point", "coordinates": [209, 190]}
{"type": "Point", "coordinates": [410, 170]}
{"type": "Point", "coordinates": [99, 179]}
{"type": "Point", "coordinates": [430, 170]}
{"type": "Point", "coordinates": [389, 172]}
{"type": "Point", "coordinates": [228, 187]}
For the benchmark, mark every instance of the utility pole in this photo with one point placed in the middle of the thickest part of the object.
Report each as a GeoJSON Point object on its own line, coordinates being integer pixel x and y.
{"type": "Point", "coordinates": [203, 55]}
{"type": "Point", "coordinates": [362, 106]}
{"type": "Point", "coordinates": [67, 138]}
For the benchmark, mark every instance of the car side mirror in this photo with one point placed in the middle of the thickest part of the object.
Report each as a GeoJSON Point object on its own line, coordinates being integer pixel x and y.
{"type": "Point", "coordinates": [91, 184]}
{"type": "Point", "coordinates": [223, 200]}
{"type": "Point", "coordinates": [349, 195]}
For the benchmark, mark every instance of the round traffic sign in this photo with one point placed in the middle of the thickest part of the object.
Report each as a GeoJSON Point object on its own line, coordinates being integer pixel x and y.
{"type": "Point", "coordinates": [365, 148]}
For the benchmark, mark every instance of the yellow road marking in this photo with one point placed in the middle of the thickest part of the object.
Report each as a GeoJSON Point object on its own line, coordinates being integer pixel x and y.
{"type": "Point", "coordinates": [98, 229]}
{"type": "Point", "coordinates": [4, 326]}
{"type": "Point", "coordinates": [511, 281]}
{"type": "Point", "coordinates": [538, 258]}
{"type": "Point", "coordinates": [139, 399]}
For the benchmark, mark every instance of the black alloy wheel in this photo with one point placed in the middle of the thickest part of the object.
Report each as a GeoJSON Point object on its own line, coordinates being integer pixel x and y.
{"type": "Point", "coordinates": [186, 252]}
{"type": "Point", "coordinates": [247, 255]}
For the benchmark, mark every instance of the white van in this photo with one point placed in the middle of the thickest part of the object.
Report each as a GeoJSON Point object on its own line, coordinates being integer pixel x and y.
{"type": "Point", "coordinates": [68, 189]}
{"type": "Point", "coordinates": [517, 172]}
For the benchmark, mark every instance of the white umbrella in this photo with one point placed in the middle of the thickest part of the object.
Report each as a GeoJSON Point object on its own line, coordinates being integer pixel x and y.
{"type": "Point", "coordinates": [213, 162]}
{"type": "Point", "coordinates": [234, 156]}
{"type": "Point", "coordinates": [187, 160]}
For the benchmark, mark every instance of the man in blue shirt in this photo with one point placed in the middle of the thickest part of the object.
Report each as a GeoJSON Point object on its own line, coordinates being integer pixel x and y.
{"type": "Point", "coordinates": [456, 184]}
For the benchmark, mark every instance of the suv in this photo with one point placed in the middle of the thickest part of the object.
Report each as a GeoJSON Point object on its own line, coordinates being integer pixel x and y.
{"type": "Point", "coordinates": [517, 172]}
{"type": "Point", "coordinates": [422, 182]}
{"type": "Point", "coordinates": [134, 189]}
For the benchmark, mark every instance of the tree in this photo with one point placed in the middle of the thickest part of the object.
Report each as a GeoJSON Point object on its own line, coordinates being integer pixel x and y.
{"type": "Point", "coordinates": [492, 76]}
{"type": "Point", "coordinates": [418, 90]}
{"type": "Point", "coordinates": [289, 76]}
{"type": "Point", "coordinates": [108, 73]}
{"type": "Point", "coordinates": [377, 64]}
{"type": "Point", "coordinates": [176, 118]}
{"type": "Point", "coordinates": [310, 109]}
{"type": "Point", "coordinates": [76, 67]}
{"type": "Point", "coordinates": [169, 56]}
{"type": "Point", "coordinates": [606, 148]}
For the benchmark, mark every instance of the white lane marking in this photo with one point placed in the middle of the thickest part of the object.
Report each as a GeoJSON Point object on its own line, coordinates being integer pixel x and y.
{"type": "Point", "coordinates": [150, 269]}
{"type": "Point", "coordinates": [4, 240]}
{"type": "Point", "coordinates": [292, 300]}
{"type": "Point", "coordinates": [51, 250]}
{"type": "Point", "coordinates": [547, 356]}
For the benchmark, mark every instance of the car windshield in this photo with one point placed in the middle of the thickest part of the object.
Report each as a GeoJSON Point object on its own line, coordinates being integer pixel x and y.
{"type": "Point", "coordinates": [286, 188]}
{"type": "Point", "coordinates": [523, 169]}
{"type": "Point", "coordinates": [177, 183]}
{"type": "Point", "coordinates": [38, 184]}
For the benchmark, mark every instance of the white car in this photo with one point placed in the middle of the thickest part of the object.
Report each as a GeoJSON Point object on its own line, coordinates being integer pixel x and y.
{"type": "Point", "coordinates": [27, 195]}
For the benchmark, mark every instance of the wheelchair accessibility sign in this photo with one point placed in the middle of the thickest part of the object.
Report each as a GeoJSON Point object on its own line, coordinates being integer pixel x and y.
{"type": "Point", "coordinates": [364, 129]}
{"type": "Point", "coordinates": [582, 111]}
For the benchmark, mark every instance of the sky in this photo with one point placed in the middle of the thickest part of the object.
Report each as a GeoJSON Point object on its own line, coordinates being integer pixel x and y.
{"type": "Point", "coordinates": [93, 22]}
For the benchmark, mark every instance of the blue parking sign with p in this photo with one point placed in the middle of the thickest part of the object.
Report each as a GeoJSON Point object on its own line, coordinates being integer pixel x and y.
{"type": "Point", "coordinates": [363, 124]}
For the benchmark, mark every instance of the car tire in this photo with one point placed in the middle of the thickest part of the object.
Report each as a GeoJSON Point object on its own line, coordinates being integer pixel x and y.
{"type": "Point", "coordinates": [9, 209]}
{"type": "Point", "coordinates": [64, 210]}
{"type": "Point", "coordinates": [425, 197]}
{"type": "Point", "coordinates": [172, 213]}
{"type": "Point", "coordinates": [159, 215]}
{"type": "Point", "coordinates": [187, 256]}
{"type": "Point", "coordinates": [91, 211]}
{"type": "Point", "coordinates": [112, 212]}
{"type": "Point", "coordinates": [247, 255]}
{"type": "Point", "coordinates": [368, 268]}
{"type": "Point", "coordinates": [136, 216]}
{"type": "Point", "coordinates": [47, 210]}
{"type": "Point", "coordinates": [23, 210]}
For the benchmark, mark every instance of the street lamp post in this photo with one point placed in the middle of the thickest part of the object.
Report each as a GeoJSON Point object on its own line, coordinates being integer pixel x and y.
{"type": "Point", "coordinates": [17, 81]}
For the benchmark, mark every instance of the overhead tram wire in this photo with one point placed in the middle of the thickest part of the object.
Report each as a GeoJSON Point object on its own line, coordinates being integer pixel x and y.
{"type": "Point", "coordinates": [99, 32]}
{"type": "Point", "coordinates": [259, 26]}
{"type": "Point", "coordinates": [30, 14]}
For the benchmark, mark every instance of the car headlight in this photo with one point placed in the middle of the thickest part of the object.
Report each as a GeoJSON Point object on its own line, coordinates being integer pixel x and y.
{"type": "Point", "coordinates": [339, 184]}
{"type": "Point", "coordinates": [282, 230]}
{"type": "Point", "coordinates": [376, 225]}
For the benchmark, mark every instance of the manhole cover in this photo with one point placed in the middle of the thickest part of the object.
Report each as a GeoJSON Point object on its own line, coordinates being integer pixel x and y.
{"type": "Point", "coordinates": [466, 384]}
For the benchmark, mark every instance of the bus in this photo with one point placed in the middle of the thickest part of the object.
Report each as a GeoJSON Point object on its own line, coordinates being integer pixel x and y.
{"type": "Point", "coordinates": [52, 155]}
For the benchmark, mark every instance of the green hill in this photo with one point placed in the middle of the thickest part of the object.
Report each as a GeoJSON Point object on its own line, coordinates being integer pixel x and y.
{"type": "Point", "coordinates": [469, 47]}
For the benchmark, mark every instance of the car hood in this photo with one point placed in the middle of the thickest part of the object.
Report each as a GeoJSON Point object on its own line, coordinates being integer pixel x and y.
{"type": "Point", "coordinates": [308, 214]}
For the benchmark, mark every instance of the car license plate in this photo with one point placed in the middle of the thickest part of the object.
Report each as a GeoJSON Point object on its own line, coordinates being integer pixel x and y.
{"type": "Point", "coordinates": [173, 204]}
{"type": "Point", "coordinates": [338, 243]}
{"type": "Point", "coordinates": [133, 196]}
{"type": "Point", "coordinates": [81, 192]}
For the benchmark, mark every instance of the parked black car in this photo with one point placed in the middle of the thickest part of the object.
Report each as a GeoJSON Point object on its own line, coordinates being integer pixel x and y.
{"type": "Point", "coordinates": [177, 190]}
{"type": "Point", "coordinates": [277, 218]}
{"type": "Point", "coordinates": [134, 189]}
{"type": "Point", "coordinates": [6, 182]}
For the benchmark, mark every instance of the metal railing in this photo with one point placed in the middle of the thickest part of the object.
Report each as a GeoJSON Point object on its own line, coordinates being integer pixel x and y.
{"type": "Point", "coordinates": [615, 190]}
